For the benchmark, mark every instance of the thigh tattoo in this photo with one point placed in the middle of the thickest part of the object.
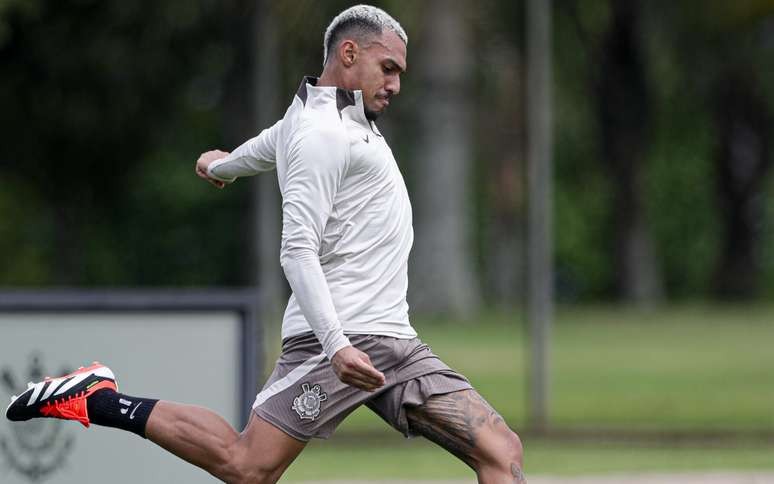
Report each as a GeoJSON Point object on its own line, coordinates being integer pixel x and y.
{"type": "Point", "coordinates": [453, 420]}
{"type": "Point", "coordinates": [518, 476]}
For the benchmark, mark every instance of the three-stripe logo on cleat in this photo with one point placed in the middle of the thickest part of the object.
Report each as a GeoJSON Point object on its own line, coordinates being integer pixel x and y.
{"type": "Point", "coordinates": [73, 381]}
{"type": "Point", "coordinates": [58, 386]}
{"type": "Point", "coordinates": [51, 386]}
{"type": "Point", "coordinates": [36, 392]}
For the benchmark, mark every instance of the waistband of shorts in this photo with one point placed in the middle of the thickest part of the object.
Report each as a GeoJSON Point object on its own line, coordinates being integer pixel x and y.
{"type": "Point", "coordinates": [303, 338]}
{"type": "Point", "coordinates": [309, 338]}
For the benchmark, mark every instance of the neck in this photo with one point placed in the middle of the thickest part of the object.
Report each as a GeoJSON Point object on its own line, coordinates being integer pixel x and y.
{"type": "Point", "coordinates": [332, 77]}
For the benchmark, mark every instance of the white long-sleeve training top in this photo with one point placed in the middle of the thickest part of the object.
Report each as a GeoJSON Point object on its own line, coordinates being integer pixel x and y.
{"type": "Point", "coordinates": [346, 216]}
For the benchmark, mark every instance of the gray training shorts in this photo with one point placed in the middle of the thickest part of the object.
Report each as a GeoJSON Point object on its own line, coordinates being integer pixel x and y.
{"type": "Point", "coordinates": [304, 398]}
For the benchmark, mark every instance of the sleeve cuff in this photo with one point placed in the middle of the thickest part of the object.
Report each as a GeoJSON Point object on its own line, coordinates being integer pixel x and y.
{"type": "Point", "coordinates": [335, 344]}
{"type": "Point", "coordinates": [211, 170]}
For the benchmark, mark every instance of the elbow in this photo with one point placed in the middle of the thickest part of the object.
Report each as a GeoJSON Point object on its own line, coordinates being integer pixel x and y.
{"type": "Point", "coordinates": [292, 254]}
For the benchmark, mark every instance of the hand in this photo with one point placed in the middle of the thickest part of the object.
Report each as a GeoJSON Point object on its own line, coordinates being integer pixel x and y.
{"type": "Point", "coordinates": [204, 161]}
{"type": "Point", "coordinates": [354, 367]}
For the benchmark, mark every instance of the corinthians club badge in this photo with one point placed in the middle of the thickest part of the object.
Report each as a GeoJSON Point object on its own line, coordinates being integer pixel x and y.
{"type": "Point", "coordinates": [37, 448]}
{"type": "Point", "coordinates": [307, 405]}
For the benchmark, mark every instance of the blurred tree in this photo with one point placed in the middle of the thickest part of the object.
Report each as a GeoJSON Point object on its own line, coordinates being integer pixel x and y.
{"type": "Point", "coordinates": [744, 121]}
{"type": "Point", "coordinates": [623, 104]}
{"type": "Point", "coordinates": [499, 132]}
{"type": "Point", "coordinates": [442, 278]}
{"type": "Point", "coordinates": [743, 159]}
{"type": "Point", "coordinates": [267, 211]}
{"type": "Point", "coordinates": [726, 49]}
{"type": "Point", "coordinates": [105, 105]}
{"type": "Point", "coordinates": [250, 106]}
{"type": "Point", "coordinates": [584, 232]}
{"type": "Point", "coordinates": [108, 90]}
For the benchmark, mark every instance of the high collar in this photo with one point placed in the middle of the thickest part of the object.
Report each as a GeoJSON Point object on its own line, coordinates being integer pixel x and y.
{"type": "Point", "coordinates": [348, 103]}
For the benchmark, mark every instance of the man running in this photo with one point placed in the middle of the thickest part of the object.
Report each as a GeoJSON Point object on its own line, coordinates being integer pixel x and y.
{"type": "Point", "coordinates": [346, 336]}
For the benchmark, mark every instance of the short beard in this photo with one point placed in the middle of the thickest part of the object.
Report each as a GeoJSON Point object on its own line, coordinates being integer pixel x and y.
{"type": "Point", "coordinates": [371, 115]}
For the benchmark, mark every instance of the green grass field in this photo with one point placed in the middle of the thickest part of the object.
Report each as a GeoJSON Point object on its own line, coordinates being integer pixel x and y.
{"type": "Point", "coordinates": [688, 370]}
{"type": "Point", "coordinates": [419, 459]}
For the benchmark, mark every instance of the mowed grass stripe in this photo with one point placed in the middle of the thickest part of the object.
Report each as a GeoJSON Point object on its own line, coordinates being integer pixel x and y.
{"type": "Point", "coordinates": [689, 368]}
{"type": "Point", "coordinates": [418, 459]}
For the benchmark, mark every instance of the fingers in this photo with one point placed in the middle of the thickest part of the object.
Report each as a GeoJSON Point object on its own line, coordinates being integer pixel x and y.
{"type": "Point", "coordinates": [354, 367]}
{"type": "Point", "coordinates": [367, 371]}
{"type": "Point", "coordinates": [201, 172]}
{"type": "Point", "coordinates": [213, 182]}
{"type": "Point", "coordinates": [363, 375]}
{"type": "Point", "coordinates": [216, 183]}
{"type": "Point", "coordinates": [361, 384]}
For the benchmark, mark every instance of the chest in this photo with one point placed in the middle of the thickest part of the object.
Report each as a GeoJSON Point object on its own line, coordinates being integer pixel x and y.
{"type": "Point", "coordinates": [371, 159]}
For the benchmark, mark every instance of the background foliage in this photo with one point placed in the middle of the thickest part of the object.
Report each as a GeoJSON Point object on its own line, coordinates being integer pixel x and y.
{"type": "Point", "coordinates": [107, 104]}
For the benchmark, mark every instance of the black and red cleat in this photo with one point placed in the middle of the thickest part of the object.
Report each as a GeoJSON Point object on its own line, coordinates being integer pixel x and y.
{"type": "Point", "coordinates": [64, 397]}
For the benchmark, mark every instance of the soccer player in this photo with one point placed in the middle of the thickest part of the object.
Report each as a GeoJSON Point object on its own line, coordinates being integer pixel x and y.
{"type": "Point", "coordinates": [346, 336]}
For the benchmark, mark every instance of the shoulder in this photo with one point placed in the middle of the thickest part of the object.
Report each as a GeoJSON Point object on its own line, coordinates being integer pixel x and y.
{"type": "Point", "coordinates": [318, 143]}
{"type": "Point", "coordinates": [319, 129]}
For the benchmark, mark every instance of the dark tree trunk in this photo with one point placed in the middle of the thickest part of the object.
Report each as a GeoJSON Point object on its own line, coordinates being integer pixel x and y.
{"type": "Point", "coordinates": [239, 90]}
{"type": "Point", "coordinates": [267, 203]}
{"type": "Point", "coordinates": [501, 133]}
{"type": "Point", "coordinates": [442, 276]}
{"type": "Point", "coordinates": [623, 108]}
{"type": "Point", "coordinates": [742, 161]}
{"type": "Point", "coordinates": [251, 105]}
{"type": "Point", "coordinates": [505, 255]}
{"type": "Point", "coordinates": [240, 120]}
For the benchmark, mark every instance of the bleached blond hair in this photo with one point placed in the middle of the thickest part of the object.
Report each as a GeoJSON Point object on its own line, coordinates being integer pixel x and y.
{"type": "Point", "coordinates": [359, 21]}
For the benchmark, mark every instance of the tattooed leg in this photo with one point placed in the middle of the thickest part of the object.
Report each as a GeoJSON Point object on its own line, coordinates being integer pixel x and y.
{"type": "Point", "coordinates": [518, 476]}
{"type": "Point", "coordinates": [467, 426]}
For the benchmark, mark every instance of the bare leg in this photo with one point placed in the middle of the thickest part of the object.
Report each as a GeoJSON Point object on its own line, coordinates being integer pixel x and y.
{"type": "Point", "coordinates": [260, 454]}
{"type": "Point", "coordinates": [467, 426]}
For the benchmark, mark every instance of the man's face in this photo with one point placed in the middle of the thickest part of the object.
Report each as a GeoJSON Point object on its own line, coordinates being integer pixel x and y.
{"type": "Point", "coordinates": [377, 71]}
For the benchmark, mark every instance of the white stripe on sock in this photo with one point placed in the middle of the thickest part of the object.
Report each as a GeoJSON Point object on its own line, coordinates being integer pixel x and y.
{"type": "Point", "coordinates": [296, 374]}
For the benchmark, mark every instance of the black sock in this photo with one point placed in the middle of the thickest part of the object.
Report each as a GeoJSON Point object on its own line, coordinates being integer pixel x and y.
{"type": "Point", "coordinates": [119, 411]}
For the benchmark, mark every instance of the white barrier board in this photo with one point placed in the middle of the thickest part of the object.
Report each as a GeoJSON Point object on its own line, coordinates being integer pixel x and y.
{"type": "Point", "coordinates": [190, 357]}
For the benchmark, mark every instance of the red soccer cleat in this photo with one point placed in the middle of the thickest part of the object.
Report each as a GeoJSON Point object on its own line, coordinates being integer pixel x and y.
{"type": "Point", "coordinates": [64, 397]}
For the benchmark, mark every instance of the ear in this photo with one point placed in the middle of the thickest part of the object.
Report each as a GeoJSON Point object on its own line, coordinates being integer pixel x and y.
{"type": "Point", "coordinates": [348, 52]}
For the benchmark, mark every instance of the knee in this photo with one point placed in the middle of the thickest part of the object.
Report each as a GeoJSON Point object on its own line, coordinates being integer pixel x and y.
{"type": "Point", "coordinates": [239, 468]}
{"type": "Point", "coordinates": [515, 449]}
{"type": "Point", "coordinates": [509, 451]}
{"type": "Point", "coordinates": [504, 455]}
